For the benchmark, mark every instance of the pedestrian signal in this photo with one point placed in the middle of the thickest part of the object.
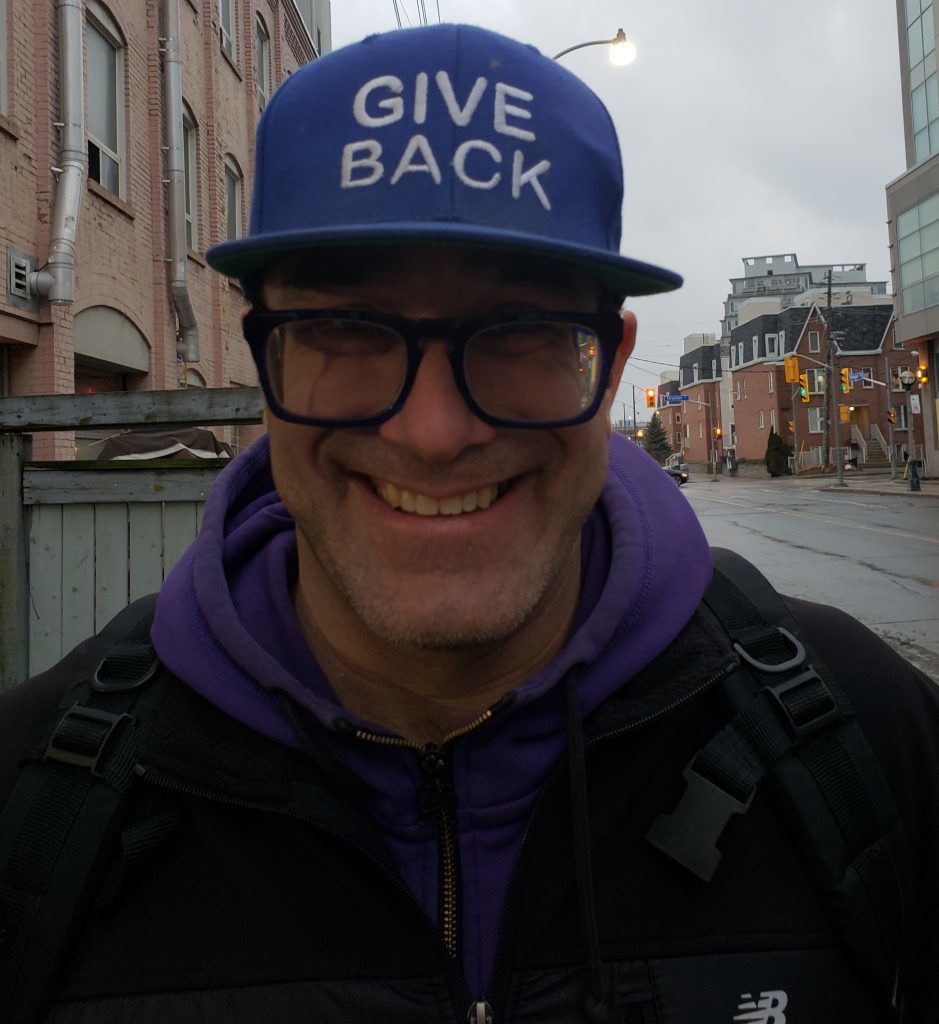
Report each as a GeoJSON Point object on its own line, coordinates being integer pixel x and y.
{"type": "Point", "coordinates": [718, 431]}
{"type": "Point", "coordinates": [844, 413]}
{"type": "Point", "coordinates": [650, 398]}
{"type": "Point", "coordinates": [804, 388]}
{"type": "Point", "coordinates": [845, 379]}
{"type": "Point", "coordinates": [791, 368]}
{"type": "Point", "coordinates": [892, 415]}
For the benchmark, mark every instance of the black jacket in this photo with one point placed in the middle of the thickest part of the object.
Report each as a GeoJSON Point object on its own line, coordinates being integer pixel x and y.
{"type": "Point", "coordinates": [250, 887]}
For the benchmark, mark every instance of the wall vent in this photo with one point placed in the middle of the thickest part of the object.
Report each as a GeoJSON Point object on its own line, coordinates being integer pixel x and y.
{"type": "Point", "coordinates": [18, 280]}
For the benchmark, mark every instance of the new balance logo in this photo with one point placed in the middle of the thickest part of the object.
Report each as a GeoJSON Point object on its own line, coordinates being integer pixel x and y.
{"type": "Point", "coordinates": [768, 1009]}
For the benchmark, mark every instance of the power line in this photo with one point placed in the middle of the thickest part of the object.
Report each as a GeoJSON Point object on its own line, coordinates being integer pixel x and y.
{"type": "Point", "coordinates": [397, 12]}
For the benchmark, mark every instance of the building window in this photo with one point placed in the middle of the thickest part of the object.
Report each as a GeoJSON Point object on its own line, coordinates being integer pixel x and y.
{"type": "Point", "coordinates": [901, 423]}
{"type": "Point", "coordinates": [104, 50]}
{"type": "Point", "coordinates": [756, 347]}
{"type": "Point", "coordinates": [814, 344]}
{"type": "Point", "coordinates": [815, 421]}
{"type": "Point", "coordinates": [816, 381]}
{"type": "Point", "coordinates": [233, 199]}
{"type": "Point", "coordinates": [694, 373]}
{"type": "Point", "coordinates": [868, 381]}
{"type": "Point", "coordinates": [228, 27]}
{"type": "Point", "coordinates": [772, 344]}
{"type": "Point", "coordinates": [924, 95]}
{"type": "Point", "coordinates": [678, 417]}
{"type": "Point", "coordinates": [762, 421]}
{"type": "Point", "coordinates": [739, 352]}
{"type": "Point", "coordinates": [191, 177]}
{"type": "Point", "coordinates": [895, 372]}
{"type": "Point", "coordinates": [918, 252]}
{"type": "Point", "coordinates": [770, 382]}
{"type": "Point", "coordinates": [262, 60]}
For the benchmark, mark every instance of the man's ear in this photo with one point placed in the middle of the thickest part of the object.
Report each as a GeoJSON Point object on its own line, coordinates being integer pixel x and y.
{"type": "Point", "coordinates": [624, 350]}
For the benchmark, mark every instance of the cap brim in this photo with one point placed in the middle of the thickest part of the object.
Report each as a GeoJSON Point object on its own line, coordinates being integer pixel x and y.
{"type": "Point", "coordinates": [244, 257]}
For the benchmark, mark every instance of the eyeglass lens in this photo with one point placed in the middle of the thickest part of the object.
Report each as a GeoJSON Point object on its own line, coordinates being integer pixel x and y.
{"type": "Point", "coordinates": [353, 369]}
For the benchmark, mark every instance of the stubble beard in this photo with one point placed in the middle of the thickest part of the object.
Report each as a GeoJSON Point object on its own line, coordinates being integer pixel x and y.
{"type": "Point", "coordinates": [512, 594]}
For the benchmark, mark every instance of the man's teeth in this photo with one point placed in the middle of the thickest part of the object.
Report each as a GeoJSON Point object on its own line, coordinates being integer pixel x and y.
{"type": "Point", "coordinates": [424, 505]}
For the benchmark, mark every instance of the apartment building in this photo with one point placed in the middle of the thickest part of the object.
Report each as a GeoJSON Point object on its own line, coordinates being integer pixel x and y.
{"type": "Point", "coordinates": [913, 217]}
{"type": "Point", "coordinates": [770, 284]}
{"type": "Point", "coordinates": [126, 143]}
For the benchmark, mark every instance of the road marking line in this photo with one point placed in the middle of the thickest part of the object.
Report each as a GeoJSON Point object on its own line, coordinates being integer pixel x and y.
{"type": "Point", "coordinates": [890, 531]}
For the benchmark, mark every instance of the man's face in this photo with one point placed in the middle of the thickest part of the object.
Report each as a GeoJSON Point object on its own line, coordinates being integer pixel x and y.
{"type": "Point", "coordinates": [376, 551]}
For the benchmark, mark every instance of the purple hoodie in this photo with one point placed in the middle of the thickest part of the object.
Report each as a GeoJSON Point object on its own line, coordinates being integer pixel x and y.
{"type": "Point", "coordinates": [226, 626]}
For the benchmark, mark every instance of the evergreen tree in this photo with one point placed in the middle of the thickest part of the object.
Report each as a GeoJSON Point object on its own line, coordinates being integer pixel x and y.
{"type": "Point", "coordinates": [655, 440]}
{"type": "Point", "coordinates": [777, 454]}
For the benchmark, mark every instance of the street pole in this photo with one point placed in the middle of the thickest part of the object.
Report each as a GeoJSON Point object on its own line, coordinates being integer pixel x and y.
{"type": "Point", "coordinates": [634, 410]}
{"type": "Point", "coordinates": [891, 436]}
{"type": "Point", "coordinates": [795, 433]}
{"type": "Point", "coordinates": [834, 423]}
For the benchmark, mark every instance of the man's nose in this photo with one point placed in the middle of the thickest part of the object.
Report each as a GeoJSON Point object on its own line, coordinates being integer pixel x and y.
{"type": "Point", "coordinates": [435, 422]}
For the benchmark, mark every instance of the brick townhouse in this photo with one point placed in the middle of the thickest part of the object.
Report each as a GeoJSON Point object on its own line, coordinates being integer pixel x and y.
{"type": "Point", "coordinates": [875, 408]}
{"type": "Point", "coordinates": [126, 141]}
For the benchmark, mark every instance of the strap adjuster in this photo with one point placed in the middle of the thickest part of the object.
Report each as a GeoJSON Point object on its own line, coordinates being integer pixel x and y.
{"type": "Point", "coordinates": [806, 703]}
{"type": "Point", "coordinates": [83, 736]}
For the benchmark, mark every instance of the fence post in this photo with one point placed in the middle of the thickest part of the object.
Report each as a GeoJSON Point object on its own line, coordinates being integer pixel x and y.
{"type": "Point", "coordinates": [14, 595]}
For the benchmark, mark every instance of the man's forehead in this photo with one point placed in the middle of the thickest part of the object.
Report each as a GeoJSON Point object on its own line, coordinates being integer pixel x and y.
{"type": "Point", "coordinates": [360, 266]}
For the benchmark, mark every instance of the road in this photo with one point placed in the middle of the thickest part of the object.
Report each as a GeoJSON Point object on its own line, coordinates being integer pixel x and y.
{"type": "Point", "coordinates": [874, 556]}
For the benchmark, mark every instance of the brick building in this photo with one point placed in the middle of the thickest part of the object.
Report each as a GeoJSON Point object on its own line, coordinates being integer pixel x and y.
{"type": "Point", "coordinates": [126, 142]}
{"type": "Point", "coordinates": [864, 345]}
{"type": "Point", "coordinates": [694, 425]}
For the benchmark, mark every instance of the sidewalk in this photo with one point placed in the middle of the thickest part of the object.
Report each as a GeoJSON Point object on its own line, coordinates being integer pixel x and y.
{"type": "Point", "coordinates": [865, 481]}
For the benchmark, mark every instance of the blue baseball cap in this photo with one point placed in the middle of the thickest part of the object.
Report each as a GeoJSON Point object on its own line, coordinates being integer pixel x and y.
{"type": "Point", "coordinates": [441, 134]}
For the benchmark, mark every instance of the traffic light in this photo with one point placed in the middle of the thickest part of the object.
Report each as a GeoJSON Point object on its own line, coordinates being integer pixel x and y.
{"type": "Point", "coordinates": [804, 388]}
{"type": "Point", "coordinates": [718, 431]}
{"type": "Point", "coordinates": [922, 375]}
{"type": "Point", "coordinates": [650, 398]}
{"type": "Point", "coordinates": [892, 415]}
{"type": "Point", "coordinates": [791, 369]}
{"type": "Point", "coordinates": [845, 379]}
{"type": "Point", "coordinates": [792, 426]}
{"type": "Point", "coordinates": [844, 413]}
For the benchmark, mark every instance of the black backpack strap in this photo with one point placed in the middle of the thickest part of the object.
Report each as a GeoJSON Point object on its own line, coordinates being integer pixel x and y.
{"type": "Point", "coordinates": [65, 811]}
{"type": "Point", "coordinates": [794, 726]}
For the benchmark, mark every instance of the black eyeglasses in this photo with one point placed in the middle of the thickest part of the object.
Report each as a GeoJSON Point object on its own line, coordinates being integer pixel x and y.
{"type": "Point", "coordinates": [328, 367]}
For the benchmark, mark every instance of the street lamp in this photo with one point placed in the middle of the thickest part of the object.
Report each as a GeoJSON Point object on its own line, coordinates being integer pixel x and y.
{"type": "Point", "coordinates": [622, 50]}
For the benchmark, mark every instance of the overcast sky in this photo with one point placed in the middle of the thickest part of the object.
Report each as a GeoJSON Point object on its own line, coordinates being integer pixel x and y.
{"type": "Point", "coordinates": [748, 128]}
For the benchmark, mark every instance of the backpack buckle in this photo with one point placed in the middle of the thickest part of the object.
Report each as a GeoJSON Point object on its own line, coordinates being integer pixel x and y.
{"type": "Point", "coordinates": [689, 834]}
{"type": "Point", "coordinates": [83, 736]}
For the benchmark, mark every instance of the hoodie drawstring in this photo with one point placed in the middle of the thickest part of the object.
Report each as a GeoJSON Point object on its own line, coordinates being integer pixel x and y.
{"type": "Point", "coordinates": [594, 1003]}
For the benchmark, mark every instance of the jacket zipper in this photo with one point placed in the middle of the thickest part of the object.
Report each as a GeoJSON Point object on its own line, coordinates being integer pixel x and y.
{"type": "Point", "coordinates": [497, 983]}
{"type": "Point", "coordinates": [440, 803]}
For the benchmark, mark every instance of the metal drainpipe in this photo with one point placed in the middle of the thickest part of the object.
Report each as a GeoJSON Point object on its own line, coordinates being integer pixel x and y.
{"type": "Point", "coordinates": [57, 281]}
{"type": "Point", "coordinates": [187, 337]}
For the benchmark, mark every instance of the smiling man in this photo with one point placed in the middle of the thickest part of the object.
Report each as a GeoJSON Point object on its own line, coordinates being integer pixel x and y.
{"type": "Point", "coordinates": [452, 717]}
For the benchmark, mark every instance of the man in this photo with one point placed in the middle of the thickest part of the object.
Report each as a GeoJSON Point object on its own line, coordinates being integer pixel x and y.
{"type": "Point", "coordinates": [438, 662]}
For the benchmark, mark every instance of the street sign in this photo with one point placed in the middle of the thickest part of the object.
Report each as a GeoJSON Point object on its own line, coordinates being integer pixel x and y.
{"type": "Point", "coordinates": [857, 375]}
{"type": "Point", "coordinates": [676, 398]}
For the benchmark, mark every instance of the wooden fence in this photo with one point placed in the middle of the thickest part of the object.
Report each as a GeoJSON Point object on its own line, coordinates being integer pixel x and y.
{"type": "Point", "coordinates": [79, 540]}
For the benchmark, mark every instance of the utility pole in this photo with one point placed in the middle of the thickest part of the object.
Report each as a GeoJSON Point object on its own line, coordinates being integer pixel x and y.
{"type": "Point", "coordinates": [634, 411]}
{"type": "Point", "coordinates": [833, 424]}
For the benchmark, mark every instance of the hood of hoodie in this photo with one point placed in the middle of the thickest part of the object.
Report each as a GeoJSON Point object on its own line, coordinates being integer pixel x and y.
{"type": "Point", "coordinates": [225, 625]}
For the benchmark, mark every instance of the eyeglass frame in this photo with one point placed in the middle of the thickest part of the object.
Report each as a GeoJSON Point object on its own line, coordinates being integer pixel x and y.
{"type": "Point", "coordinates": [259, 323]}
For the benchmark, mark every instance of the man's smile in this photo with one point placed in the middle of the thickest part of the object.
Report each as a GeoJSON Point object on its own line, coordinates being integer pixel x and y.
{"type": "Point", "coordinates": [427, 505]}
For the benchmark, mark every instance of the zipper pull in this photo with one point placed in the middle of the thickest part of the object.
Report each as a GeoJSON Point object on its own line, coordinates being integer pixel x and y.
{"type": "Point", "coordinates": [479, 1013]}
